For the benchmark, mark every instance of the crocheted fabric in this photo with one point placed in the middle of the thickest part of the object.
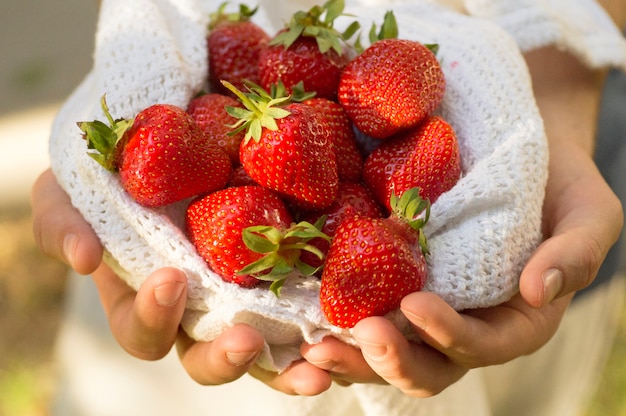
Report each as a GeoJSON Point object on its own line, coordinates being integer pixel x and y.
{"type": "Point", "coordinates": [481, 232]}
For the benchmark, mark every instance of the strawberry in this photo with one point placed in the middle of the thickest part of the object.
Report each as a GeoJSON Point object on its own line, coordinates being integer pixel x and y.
{"type": "Point", "coordinates": [161, 155]}
{"type": "Point", "coordinates": [209, 112]}
{"type": "Point", "coordinates": [426, 157]}
{"type": "Point", "coordinates": [215, 224]}
{"type": "Point", "coordinates": [348, 155]}
{"type": "Point", "coordinates": [240, 177]}
{"type": "Point", "coordinates": [308, 50]}
{"type": "Point", "coordinates": [288, 149]}
{"type": "Point", "coordinates": [352, 199]}
{"type": "Point", "coordinates": [234, 44]}
{"type": "Point", "coordinates": [246, 236]}
{"type": "Point", "coordinates": [375, 262]}
{"type": "Point", "coordinates": [391, 86]}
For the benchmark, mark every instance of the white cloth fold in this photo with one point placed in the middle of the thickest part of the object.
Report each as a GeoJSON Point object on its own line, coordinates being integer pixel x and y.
{"type": "Point", "coordinates": [481, 232]}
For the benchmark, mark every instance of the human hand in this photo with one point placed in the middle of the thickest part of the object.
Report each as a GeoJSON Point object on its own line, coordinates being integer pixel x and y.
{"type": "Point", "coordinates": [582, 219]}
{"type": "Point", "coordinates": [146, 323]}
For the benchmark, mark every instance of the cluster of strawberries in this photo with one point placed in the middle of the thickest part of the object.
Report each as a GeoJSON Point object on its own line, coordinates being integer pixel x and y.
{"type": "Point", "coordinates": [310, 153]}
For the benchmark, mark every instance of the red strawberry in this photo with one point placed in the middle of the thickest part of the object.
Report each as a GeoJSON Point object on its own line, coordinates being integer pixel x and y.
{"type": "Point", "coordinates": [240, 177]}
{"type": "Point", "coordinates": [215, 224]}
{"type": "Point", "coordinates": [234, 45]}
{"type": "Point", "coordinates": [373, 263]}
{"type": "Point", "coordinates": [348, 155]}
{"type": "Point", "coordinates": [246, 236]}
{"type": "Point", "coordinates": [391, 86]}
{"type": "Point", "coordinates": [426, 157]}
{"type": "Point", "coordinates": [309, 50]}
{"type": "Point", "coordinates": [162, 156]}
{"type": "Point", "coordinates": [352, 199]}
{"type": "Point", "coordinates": [288, 149]}
{"type": "Point", "coordinates": [209, 112]}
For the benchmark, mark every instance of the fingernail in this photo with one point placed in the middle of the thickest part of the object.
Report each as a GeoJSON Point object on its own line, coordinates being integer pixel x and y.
{"type": "Point", "coordinates": [373, 350]}
{"type": "Point", "coordinates": [240, 358]}
{"type": "Point", "coordinates": [169, 293]}
{"type": "Point", "coordinates": [552, 284]}
{"type": "Point", "coordinates": [69, 248]}
{"type": "Point", "coordinates": [416, 320]}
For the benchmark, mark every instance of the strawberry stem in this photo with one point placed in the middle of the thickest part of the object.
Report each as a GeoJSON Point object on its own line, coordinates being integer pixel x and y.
{"type": "Point", "coordinates": [102, 139]}
{"type": "Point", "coordinates": [414, 210]}
{"type": "Point", "coordinates": [243, 15]}
{"type": "Point", "coordinates": [318, 23]}
{"type": "Point", "coordinates": [282, 251]}
{"type": "Point", "coordinates": [261, 111]}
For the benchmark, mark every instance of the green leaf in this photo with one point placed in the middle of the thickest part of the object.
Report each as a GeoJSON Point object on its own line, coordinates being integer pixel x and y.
{"type": "Point", "coordinates": [288, 37]}
{"type": "Point", "coordinates": [257, 267]}
{"type": "Point", "coordinates": [389, 28]}
{"type": "Point", "coordinates": [277, 286]}
{"type": "Point", "coordinates": [102, 139]}
{"type": "Point", "coordinates": [334, 9]}
{"type": "Point", "coordinates": [351, 30]}
{"type": "Point", "coordinates": [433, 47]}
{"type": "Point", "coordinates": [257, 242]}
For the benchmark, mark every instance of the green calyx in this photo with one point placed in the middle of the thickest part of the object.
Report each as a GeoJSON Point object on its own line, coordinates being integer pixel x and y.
{"type": "Point", "coordinates": [261, 111]}
{"type": "Point", "coordinates": [318, 23]}
{"type": "Point", "coordinates": [102, 139]}
{"type": "Point", "coordinates": [388, 29]}
{"type": "Point", "coordinates": [220, 16]}
{"type": "Point", "coordinates": [282, 251]}
{"type": "Point", "coordinates": [414, 210]}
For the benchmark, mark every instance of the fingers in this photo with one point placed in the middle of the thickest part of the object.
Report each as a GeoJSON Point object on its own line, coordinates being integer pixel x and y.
{"type": "Point", "coordinates": [483, 337]}
{"type": "Point", "coordinates": [344, 362]}
{"type": "Point", "coordinates": [59, 229]}
{"type": "Point", "coordinates": [301, 378]}
{"type": "Point", "coordinates": [416, 369]}
{"type": "Point", "coordinates": [583, 219]}
{"type": "Point", "coordinates": [452, 343]}
{"type": "Point", "coordinates": [223, 360]}
{"type": "Point", "coordinates": [145, 323]}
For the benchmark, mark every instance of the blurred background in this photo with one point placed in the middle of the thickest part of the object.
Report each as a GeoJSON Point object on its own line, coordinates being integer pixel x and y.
{"type": "Point", "coordinates": [45, 50]}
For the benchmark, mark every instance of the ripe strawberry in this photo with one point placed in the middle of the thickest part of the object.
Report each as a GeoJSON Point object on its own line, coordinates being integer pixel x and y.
{"type": "Point", "coordinates": [426, 157]}
{"type": "Point", "coordinates": [246, 236]}
{"type": "Point", "coordinates": [234, 45]}
{"type": "Point", "coordinates": [215, 224]}
{"type": "Point", "coordinates": [209, 112]}
{"type": "Point", "coordinates": [352, 199]}
{"type": "Point", "coordinates": [240, 178]}
{"type": "Point", "coordinates": [348, 155]}
{"type": "Point", "coordinates": [373, 263]}
{"type": "Point", "coordinates": [287, 149]}
{"type": "Point", "coordinates": [308, 50]}
{"type": "Point", "coordinates": [161, 155]}
{"type": "Point", "coordinates": [391, 86]}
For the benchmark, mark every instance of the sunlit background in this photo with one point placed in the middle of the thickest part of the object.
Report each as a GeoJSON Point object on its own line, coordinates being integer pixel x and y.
{"type": "Point", "coordinates": [45, 50]}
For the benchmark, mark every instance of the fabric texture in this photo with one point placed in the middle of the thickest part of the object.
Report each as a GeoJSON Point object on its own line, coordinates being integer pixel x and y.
{"type": "Point", "coordinates": [481, 232]}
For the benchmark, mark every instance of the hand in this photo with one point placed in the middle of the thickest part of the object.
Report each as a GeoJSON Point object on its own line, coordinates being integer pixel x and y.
{"type": "Point", "coordinates": [582, 219]}
{"type": "Point", "coordinates": [146, 323]}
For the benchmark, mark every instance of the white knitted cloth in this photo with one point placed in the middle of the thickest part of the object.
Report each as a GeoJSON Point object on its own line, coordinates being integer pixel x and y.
{"type": "Point", "coordinates": [481, 232]}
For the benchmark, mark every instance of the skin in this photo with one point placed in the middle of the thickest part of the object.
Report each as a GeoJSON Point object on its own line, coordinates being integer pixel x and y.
{"type": "Point", "coordinates": [582, 220]}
